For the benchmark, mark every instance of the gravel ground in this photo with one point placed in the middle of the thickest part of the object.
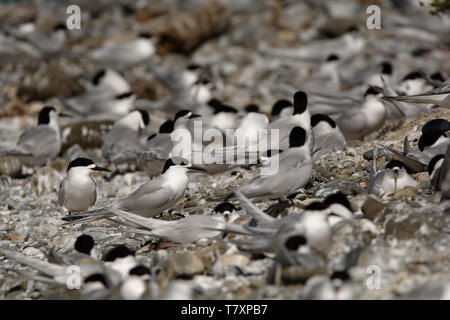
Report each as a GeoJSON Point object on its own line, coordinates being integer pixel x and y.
{"type": "Point", "coordinates": [403, 237]}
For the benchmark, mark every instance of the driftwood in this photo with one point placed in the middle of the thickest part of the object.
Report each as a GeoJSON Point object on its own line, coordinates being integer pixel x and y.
{"type": "Point", "coordinates": [185, 31]}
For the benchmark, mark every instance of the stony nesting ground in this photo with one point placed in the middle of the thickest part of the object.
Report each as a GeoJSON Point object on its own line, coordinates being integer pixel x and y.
{"type": "Point", "coordinates": [406, 235]}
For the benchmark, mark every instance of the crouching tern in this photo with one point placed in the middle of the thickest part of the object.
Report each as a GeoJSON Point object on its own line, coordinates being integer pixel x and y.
{"type": "Point", "coordinates": [122, 143]}
{"type": "Point", "coordinates": [294, 239]}
{"type": "Point", "coordinates": [78, 191]}
{"type": "Point", "coordinates": [439, 170]}
{"type": "Point", "coordinates": [189, 229]}
{"type": "Point", "coordinates": [126, 54]}
{"type": "Point", "coordinates": [118, 273]}
{"type": "Point", "coordinates": [294, 171]}
{"type": "Point", "coordinates": [391, 179]}
{"type": "Point", "coordinates": [151, 198]}
{"type": "Point", "coordinates": [355, 123]}
{"type": "Point", "coordinates": [156, 150]}
{"type": "Point", "coordinates": [327, 135]}
{"type": "Point", "coordinates": [433, 141]}
{"type": "Point", "coordinates": [60, 273]}
{"type": "Point", "coordinates": [39, 144]}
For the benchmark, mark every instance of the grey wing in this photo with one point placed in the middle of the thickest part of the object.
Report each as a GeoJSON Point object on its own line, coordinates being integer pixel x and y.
{"type": "Point", "coordinates": [168, 78]}
{"type": "Point", "coordinates": [375, 186]}
{"type": "Point", "coordinates": [93, 195]}
{"type": "Point", "coordinates": [40, 140]}
{"type": "Point", "coordinates": [61, 192]}
{"type": "Point", "coordinates": [113, 52]}
{"type": "Point", "coordinates": [159, 147]}
{"type": "Point", "coordinates": [286, 181]}
{"type": "Point", "coordinates": [444, 169]}
{"type": "Point", "coordinates": [324, 143]}
{"type": "Point", "coordinates": [148, 197]}
{"type": "Point", "coordinates": [352, 122]}
{"type": "Point", "coordinates": [121, 145]}
{"type": "Point", "coordinates": [257, 187]}
{"type": "Point", "coordinates": [292, 159]}
{"type": "Point", "coordinates": [44, 41]}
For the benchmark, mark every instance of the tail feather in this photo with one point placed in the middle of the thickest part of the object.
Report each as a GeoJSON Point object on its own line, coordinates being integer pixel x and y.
{"type": "Point", "coordinates": [46, 268]}
{"type": "Point", "coordinates": [33, 276]}
{"type": "Point", "coordinates": [253, 210]}
{"type": "Point", "coordinates": [148, 223]}
{"type": "Point", "coordinates": [253, 245]}
{"type": "Point", "coordinates": [16, 152]}
{"type": "Point", "coordinates": [231, 228]}
{"type": "Point", "coordinates": [89, 215]}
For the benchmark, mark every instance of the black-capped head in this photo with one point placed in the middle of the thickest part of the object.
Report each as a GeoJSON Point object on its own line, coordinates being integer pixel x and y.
{"type": "Point", "coordinates": [251, 108]}
{"type": "Point", "coordinates": [395, 165]}
{"type": "Point", "coordinates": [123, 96]}
{"type": "Point", "coordinates": [318, 117]}
{"type": "Point", "coordinates": [80, 162]}
{"type": "Point", "coordinates": [145, 35]}
{"type": "Point", "coordinates": [428, 138]}
{"type": "Point", "coordinates": [44, 115]}
{"type": "Point", "coordinates": [419, 52]}
{"type": "Point", "coordinates": [120, 251]}
{"type": "Point", "coordinates": [214, 102]}
{"type": "Point", "coordinates": [84, 244]}
{"type": "Point", "coordinates": [139, 271]}
{"type": "Point", "coordinates": [433, 162]}
{"type": "Point", "coordinates": [98, 77]}
{"type": "Point", "coordinates": [415, 75]}
{"type": "Point", "coordinates": [340, 275]}
{"type": "Point", "coordinates": [60, 26]}
{"type": "Point", "coordinates": [193, 66]}
{"type": "Point", "coordinates": [300, 102]}
{"type": "Point", "coordinates": [219, 106]}
{"type": "Point", "coordinates": [145, 117]}
{"type": "Point", "coordinates": [295, 242]}
{"type": "Point", "coordinates": [184, 114]}
{"type": "Point", "coordinates": [297, 137]}
{"type": "Point", "coordinates": [373, 90]}
{"type": "Point", "coordinates": [224, 108]}
{"type": "Point", "coordinates": [180, 114]}
{"type": "Point", "coordinates": [279, 106]}
{"type": "Point", "coordinates": [96, 277]}
{"type": "Point", "coordinates": [441, 125]}
{"type": "Point", "coordinates": [437, 76]}
{"type": "Point", "coordinates": [184, 276]}
{"type": "Point", "coordinates": [332, 57]}
{"type": "Point", "coordinates": [386, 68]}
{"type": "Point", "coordinates": [316, 206]}
{"type": "Point", "coordinates": [175, 161]}
{"type": "Point", "coordinates": [338, 198]}
{"type": "Point", "coordinates": [166, 127]}
{"type": "Point", "coordinates": [224, 207]}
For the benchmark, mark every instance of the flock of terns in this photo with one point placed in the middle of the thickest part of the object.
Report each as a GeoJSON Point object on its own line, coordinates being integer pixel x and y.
{"type": "Point", "coordinates": [303, 135]}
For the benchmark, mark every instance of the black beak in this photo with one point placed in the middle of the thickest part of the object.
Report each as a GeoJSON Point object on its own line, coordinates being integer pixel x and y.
{"type": "Point", "coordinates": [196, 168]}
{"type": "Point", "coordinates": [97, 168]}
{"type": "Point", "coordinates": [194, 116]}
{"type": "Point", "coordinates": [63, 114]}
